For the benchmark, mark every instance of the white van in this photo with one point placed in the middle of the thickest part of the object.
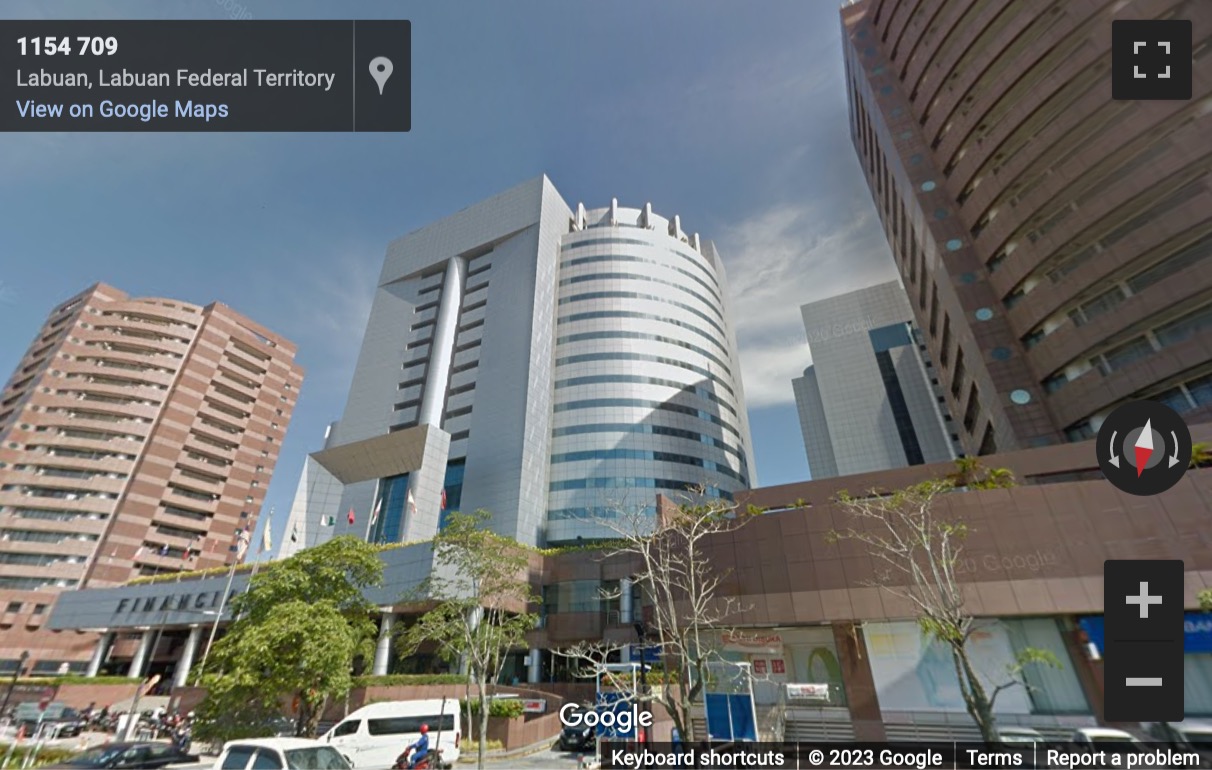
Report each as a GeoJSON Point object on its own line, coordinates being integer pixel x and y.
{"type": "Point", "coordinates": [373, 736]}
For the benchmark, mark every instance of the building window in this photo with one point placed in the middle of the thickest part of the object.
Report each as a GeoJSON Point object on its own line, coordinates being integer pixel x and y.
{"type": "Point", "coordinates": [973, 412]}
{"type": "Point", "coordinates": [14, 607]}
{"type": "Point", "coordinates": [900, 410]}
{"type": "Point", "coordinates": [1082, 431]}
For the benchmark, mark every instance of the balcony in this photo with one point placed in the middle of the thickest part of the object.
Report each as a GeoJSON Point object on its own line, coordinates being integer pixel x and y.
{"type": "Point", "coordinates": [207, 485]}
{"type": "Point", "coordinates": [196, 499]}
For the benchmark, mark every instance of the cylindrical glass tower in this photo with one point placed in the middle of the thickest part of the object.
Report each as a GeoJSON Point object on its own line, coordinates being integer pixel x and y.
{"type": "Point", "coordinates": [647, 394]}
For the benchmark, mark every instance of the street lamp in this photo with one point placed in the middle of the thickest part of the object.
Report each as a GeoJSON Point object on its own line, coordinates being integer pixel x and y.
{"type": "Point", "coordinates": [13, 682]}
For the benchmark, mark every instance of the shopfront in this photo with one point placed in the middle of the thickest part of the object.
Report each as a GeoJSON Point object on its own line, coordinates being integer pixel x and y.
{"type": "Point", "coordinates": [915, 673]}
{"type": "Point", "coordinates": [789, 656]}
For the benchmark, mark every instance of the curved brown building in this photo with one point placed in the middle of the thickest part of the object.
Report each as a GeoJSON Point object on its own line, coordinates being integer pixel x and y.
{"type": "Point", "coordinates": [137, 435]}
{"type": "Point", "coordinates": [1055, 243]}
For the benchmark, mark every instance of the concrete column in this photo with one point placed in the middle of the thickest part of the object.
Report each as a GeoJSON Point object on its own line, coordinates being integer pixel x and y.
{"type": "Point", "coordinates": [625, 602]}
{"type": "Point", "coordinates": [181, 673]}
{"type": "Point", "coordinates": [94, 665]}
{"type": "Point", "coordinates": [534, 666]}
{"type": "Point", "coordinates": [383, 648]}
{"type": "Point", "coordinates": [141, 655]}
{"type": "Point", "coordinates": [861, 697]}
{"type": "Point", "coordinates": [441, 350]}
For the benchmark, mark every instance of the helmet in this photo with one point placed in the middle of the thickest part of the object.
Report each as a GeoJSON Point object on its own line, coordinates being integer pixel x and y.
{"type": "Point", "coordinates": [424, 729]}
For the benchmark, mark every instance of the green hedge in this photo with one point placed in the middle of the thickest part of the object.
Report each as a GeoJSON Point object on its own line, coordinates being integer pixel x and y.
{"type": "Point", "coordinates": [46, 755]}
{"type": "Point", "coordinates": [395, 680]}
{"type": "Point", "coordinates": [497, 707]}
{"type": "Point", "coordinates": [51, 681]}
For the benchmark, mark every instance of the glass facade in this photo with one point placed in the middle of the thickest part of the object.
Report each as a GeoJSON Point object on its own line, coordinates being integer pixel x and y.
{"type": "Point", "coordinates": [393, 502]}
{"type": "Point", "coordinates": [393, 507]}
{"type": "Point", "coordinates": [453, 484]}
{"type": "Point", "coordinates": [646, 397]}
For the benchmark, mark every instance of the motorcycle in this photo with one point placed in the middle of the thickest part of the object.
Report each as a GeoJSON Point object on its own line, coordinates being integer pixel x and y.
{"type": "Point", "coordinates": [432, 760]}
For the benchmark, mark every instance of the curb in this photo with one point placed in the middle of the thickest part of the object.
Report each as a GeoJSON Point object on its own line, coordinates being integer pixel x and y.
{"type": "Point", "coordinates": [491, 756]}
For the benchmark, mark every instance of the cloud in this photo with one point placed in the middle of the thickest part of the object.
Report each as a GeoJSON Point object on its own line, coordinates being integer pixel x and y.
{"type": "Point", "coordinates": [782, 258]}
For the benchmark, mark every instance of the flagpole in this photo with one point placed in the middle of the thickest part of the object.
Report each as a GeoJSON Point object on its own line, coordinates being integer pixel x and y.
{"type": "Point", "coordinates": [214, 628]}
{"type": "Point", "coordinates": [374, 511]}
{"type": "Point", "coordinates": [231, 576]}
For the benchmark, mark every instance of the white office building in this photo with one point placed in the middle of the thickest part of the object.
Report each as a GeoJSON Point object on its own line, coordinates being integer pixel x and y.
{"type": "Point", "coordinates": [547, 364]}
{"type": "Point", "coordinates": [870, 401]}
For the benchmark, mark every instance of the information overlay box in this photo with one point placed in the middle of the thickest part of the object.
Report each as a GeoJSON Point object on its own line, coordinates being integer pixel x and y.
{"type": "Point", "coordinates": [206, 76]}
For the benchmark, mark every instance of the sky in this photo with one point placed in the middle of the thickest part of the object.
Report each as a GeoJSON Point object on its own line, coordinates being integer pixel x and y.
{"type": "Point", "coordinates": [731, 115]}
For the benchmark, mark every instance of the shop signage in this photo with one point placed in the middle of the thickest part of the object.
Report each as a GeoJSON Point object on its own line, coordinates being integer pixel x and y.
{"type": "Point", "coordinates": [752, 643]}
{"type": "Point", "coordinates": [136, 609]}
{"type": "Point", "coordinates": [808, 692]}
{"type": "Point", "coordinates": [759, 667]}
{"type": "Point", "coordinates": [1197, 632]}
{"type": "Point", "coordinates": [648, 654]}
{"type": "Point", "coordinates": [534, 705]}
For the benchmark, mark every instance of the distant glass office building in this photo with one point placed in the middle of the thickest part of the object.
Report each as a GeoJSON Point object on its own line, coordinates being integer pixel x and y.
{"type": "Point", "coordinates": [1055, 243]}
{"type": "Point", "coordinates": [546, 364]}
{"type": "Point", "coordinates": [870, 401]}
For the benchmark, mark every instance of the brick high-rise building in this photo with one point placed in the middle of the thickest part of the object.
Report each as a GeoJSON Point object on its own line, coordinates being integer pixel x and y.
{"type": "Point", "coordinates": [137, 436]}
{"type": "Point", "coordinates": [1054, 243]}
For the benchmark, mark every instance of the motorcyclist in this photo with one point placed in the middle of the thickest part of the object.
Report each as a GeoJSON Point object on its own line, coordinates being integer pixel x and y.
{"type": "Point", "coordinates": [419, 749]}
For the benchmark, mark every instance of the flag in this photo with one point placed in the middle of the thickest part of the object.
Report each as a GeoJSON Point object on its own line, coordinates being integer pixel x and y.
{"type": "Point", "coordinates": [412, 504]}
{"type": "Point", "coordinates": [328, 521]}
{"type": "Point", "coordinates": [267, 540]}
{"type": "Point", "coordinates": [294, 533]}
{"type": "Point", "coordinates": [242, 539]}
{"type": "Point", "coordinates": [374, 515]}
{"type": "Point", "coordinates": [164, 549]}
{"type": "Point", "coordinates": [443, 498]}
{"type": "Point", "coordinates": [138, 553]}
{"type": "Point", "coordinates": [351, 516]}
{"type": "Point", "coordinates": [195, 548]}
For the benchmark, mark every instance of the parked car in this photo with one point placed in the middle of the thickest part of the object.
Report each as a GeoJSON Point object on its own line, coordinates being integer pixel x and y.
{"type": "Point", "coordinates": [1097, 738]}
{"type": "Point", "coordinates": [372, 737]}
{"type": "Point", "coordinates": [578, 739]}
{"type": "Point", "coordinates": [129, 756]}
{"type": "Point", "coordinates": [58, 720]}
{"type": "Point", "coordinates": [280, 754]}
{"type": "Point", "coordinates": [1019, 740]}
{"type": "Point", "coordinates": [1106, 739]}
{"type": "Point", "coordinates": [1187, 735]}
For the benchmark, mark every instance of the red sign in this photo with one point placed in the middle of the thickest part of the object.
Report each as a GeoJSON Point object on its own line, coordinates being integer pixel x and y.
{"type": "Point", "coordinates": [776, 666]}
{"type": "Point", "coordinates": [534, 706]}
{"type": "Point", "coordinates": [753, 643]}
{"type": "Point", "coordinates": [759, 667]}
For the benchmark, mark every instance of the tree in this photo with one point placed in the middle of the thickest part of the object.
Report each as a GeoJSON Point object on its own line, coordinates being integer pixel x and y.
{"type": "Point", "coordinates": [917, 554]}
{"type": "Point", "coordinates": [970, 473]}
{"type": "Point", "coordinates": [1201, 455]}
{"type": "Point", "coordinates": [481, 586]}
{"type": "Point", "coordinates": [297, 633]}
{"type": "Point", "coordinates": [680, 588]}
{"type": "Point", "coordinates": [1205, 600]}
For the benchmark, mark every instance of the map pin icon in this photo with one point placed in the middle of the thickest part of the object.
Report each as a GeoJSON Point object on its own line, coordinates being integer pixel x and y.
{"type": "Point", "coordinates": [380, 70]}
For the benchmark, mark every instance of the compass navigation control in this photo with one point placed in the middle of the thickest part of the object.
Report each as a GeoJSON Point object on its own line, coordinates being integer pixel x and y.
{"type": "Point", "coordinates": [1144, 448]}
